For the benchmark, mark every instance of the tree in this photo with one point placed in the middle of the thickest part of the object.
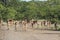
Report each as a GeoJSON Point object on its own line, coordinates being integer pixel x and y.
{"type": "Point", "coordinates": [2, 9]}
{"type": "Point", "coordinates": [11, 12]}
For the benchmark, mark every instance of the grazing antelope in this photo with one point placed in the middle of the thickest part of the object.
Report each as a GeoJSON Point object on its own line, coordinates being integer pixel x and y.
{"type": "Point", "coordinates": [33, 22]}
{"type": "Point", "coordinates": [20, 23]}
{"type": "Point", "coordinates": [10, 23]}
{"type": "Point", "coordinates": [0, 23]}
{"type": "Point", "coordinates": [24, 25]}
{"type": "Point", "coordinates": [15, 25]}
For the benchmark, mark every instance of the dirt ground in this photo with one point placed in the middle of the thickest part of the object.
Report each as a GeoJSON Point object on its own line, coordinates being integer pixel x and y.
{"type": "Point", "coordinates": [29, 35]}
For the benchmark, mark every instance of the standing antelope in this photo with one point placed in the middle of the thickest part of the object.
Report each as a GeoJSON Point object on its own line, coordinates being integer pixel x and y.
{"type": "Point", "coordinates": [10, 23]}
{"type": "Point", "coordinates": [24, 25]}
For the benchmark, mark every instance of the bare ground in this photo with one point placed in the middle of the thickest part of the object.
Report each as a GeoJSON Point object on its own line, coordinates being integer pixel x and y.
{"type": "Point", "coordinates": [29, 35]}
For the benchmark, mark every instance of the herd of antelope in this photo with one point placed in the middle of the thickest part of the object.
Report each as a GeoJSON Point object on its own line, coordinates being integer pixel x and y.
{"type": "Point", "coordinates": [24, 24]}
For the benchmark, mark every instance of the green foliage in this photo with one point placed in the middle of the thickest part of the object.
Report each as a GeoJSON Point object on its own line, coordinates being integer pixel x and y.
{"type": "Point", "coordinates": [11, 12]}
{"type": "Point", "coordinates": [18, 10]}
{"type": "Point", "coordinates": [2, 9]}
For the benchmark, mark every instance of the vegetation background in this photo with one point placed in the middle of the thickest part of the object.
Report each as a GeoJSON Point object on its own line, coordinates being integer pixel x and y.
{"type": "Point", "coordinates": [18, 10]}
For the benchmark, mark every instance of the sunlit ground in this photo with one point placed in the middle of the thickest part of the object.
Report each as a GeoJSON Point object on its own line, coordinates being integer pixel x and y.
{"type": "Point", "coordinates": [29, 34]}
